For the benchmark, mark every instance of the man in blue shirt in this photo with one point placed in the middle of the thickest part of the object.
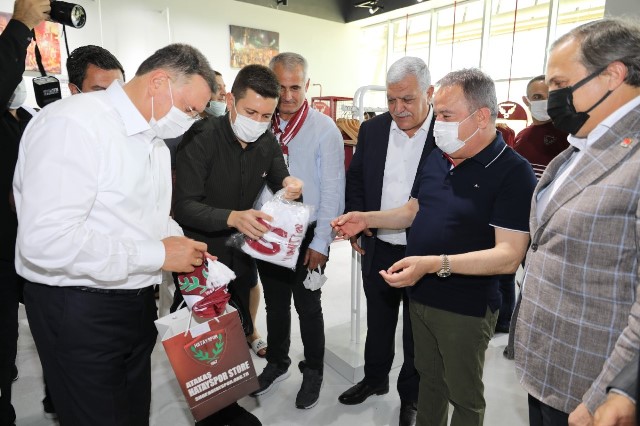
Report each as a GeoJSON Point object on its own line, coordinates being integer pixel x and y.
{"type": "Point", "coordinates": [469, 223]}
{"type": "Point", "coordinates": [313, 150]}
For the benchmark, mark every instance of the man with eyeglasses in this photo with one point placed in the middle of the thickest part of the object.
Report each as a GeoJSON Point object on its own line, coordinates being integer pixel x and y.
{"type": "Point", "coordinates": [93, 191]}
{"type": "Point", "coordinates": [222, 164]}
{"type": "Point", "coordinates": [90, 68]}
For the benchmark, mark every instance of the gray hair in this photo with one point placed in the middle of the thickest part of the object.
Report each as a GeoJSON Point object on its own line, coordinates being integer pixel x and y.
{"type": "Point", "coordinates": [478, 89]}
{"type": "Point", "coordinates": [605, 41]}
{"type": "Point", "coordinates": [290, 61]}
{"type": "Point", "coordinates": [182, 60]}
{"type": "Point", "coordinates": [409, 65]}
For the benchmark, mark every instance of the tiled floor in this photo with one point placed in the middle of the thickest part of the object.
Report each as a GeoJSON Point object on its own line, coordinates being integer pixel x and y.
{"type": "Point", "coordinates": [506, 401]}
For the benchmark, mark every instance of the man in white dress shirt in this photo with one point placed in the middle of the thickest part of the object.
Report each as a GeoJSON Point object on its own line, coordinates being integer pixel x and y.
{"type": "Point", "coordinates": [93, 191]}
{"type": "Point", "coordinates": [391, 150]}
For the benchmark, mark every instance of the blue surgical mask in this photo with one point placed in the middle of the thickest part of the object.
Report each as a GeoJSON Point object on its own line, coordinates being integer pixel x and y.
{"type": "Point", "coordinates": [216, 108]}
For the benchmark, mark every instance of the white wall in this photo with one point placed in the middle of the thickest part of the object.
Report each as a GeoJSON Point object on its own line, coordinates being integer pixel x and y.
{"type": "Point", "coordinates": [623, 8]}
{"type": "Point", "coordinates": [134, 29]}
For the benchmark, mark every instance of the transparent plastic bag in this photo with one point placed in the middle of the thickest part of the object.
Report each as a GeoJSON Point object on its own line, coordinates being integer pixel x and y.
{"type": "Point", "coordinates": [280, 245]}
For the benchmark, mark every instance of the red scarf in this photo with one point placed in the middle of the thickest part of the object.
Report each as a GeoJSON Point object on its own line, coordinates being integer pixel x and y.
{"type": "Point", "coordinates": [291, 129]}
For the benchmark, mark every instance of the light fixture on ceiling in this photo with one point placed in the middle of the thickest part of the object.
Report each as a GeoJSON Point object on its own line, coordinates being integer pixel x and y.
{"type": "Point", "coordinates": [373, 5]}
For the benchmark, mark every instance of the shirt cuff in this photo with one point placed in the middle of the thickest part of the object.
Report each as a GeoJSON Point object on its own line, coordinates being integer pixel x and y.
{"type": "Point", "coordinates": [320, 246]}
{"type": "Point", "coordinates": [151, 255]}
{"type": "Point", "coordinates": [623, 393]}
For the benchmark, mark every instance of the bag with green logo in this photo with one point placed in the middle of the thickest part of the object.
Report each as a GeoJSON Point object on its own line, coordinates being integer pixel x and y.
{"type": "Point", "coordinates": [210, 358]}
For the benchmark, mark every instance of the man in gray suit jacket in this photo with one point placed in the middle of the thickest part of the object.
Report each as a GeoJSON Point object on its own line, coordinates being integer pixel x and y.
{"type": "Point", "coordinates": [620, 407]}
{"type": "Point", "coordinates": [579, 319]}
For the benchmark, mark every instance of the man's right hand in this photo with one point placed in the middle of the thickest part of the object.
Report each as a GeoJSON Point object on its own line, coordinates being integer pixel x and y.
{"type": "Point", "coordinates": [31, 12]}
{"type": "Point", "coordinates": [349, 224]}
{"type": "Point", "coordinates": [246, 221]}
{"type": "Point", "coordinates": [354, 241]}
{"type": "Point", "coordinates": [182, 254]}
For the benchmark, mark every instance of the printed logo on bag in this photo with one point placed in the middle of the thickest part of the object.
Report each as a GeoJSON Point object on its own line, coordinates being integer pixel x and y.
{"type": "Point", "coordinates": [265, 247]}
{"type": "Point", "coordinates": [191, 284]}
{"type": "Point", "coordinates": [207, 348]}
{"type": "Point", "coordinates": [271, 248]}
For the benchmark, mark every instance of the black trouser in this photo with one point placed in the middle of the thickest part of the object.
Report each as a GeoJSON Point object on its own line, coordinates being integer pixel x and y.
{"type": "Point", "coordinates": [508, 293]}
{"type": "Point", "coordinates": [8, 337]}
{"type": "Point", "coordinates": [541, 414]}
{"type": "Point", "coordinates": [95, 350]}
{"type": "Point", "coordinates": [383, 305]}
{"type": "Point", "coordinates": [278, 285]}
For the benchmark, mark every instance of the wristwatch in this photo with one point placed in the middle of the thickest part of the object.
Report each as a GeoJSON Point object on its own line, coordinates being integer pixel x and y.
{"type": "Point", "coordinates": [445, 269]}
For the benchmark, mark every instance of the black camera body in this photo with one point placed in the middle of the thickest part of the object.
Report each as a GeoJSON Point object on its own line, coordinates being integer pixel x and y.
{"type": "Point", "coordinates": [46, 89]}
{"type": "Point", "coordinates": [70, 14]}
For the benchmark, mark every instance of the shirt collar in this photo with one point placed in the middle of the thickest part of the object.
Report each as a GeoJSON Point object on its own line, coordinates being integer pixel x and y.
{"type": "Point", "coordinates": [606, 124]}
{"type": "Point", "coordinates": [491, 152]}
{"type": "Point", "coordinates": [423, 128]}
{"type": "Point", "coordinates": [133, 120]}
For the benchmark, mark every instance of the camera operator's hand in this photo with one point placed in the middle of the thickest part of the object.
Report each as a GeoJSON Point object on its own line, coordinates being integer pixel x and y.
{"type": "Point", "coordinates": [31, 12]}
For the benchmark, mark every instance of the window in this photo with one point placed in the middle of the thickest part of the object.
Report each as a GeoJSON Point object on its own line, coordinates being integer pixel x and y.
{"type": "Point", "coordinates": [411, 36]}
{"type": "Point", "coordinates": [457, 45]}
{"type": "Point", "coordinates": [374, 47]}
{"type": "Point", "coordinates": [455, 37]}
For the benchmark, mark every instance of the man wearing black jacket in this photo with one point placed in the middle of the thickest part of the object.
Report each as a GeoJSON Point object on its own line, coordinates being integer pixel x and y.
{"type": "Point", "coordinates": [391, 149]}
{"type": "Point", "coordinates": [222, 164]}
{"type": "Point", "coordinates": [14, 41]}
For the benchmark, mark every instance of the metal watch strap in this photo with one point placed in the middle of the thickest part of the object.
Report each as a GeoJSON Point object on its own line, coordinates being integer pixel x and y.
{"type": "Point", "coordinates": [445, 267]}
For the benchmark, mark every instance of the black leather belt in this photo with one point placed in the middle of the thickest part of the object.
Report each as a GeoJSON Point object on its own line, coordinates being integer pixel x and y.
{"type": "Point", "coordinates": [132, 292]}
{"type": "Point", "coordinates": [391, 246]}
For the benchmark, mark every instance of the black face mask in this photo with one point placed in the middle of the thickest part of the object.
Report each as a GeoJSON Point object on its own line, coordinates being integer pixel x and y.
{"type": "Point", "coordinates": [561, 110]}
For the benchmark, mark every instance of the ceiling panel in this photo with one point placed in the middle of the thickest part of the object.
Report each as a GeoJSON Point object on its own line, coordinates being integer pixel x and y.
{"type": "Point", "coordinates": [332, 10]}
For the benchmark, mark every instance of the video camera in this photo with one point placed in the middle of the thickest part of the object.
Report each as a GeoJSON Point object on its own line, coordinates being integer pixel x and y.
{"type": "Point", "coordinates": [47, 87]}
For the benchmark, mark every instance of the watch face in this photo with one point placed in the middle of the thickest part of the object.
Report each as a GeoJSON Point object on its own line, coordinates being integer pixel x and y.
{"type": "Point", "coordinates": [443, 273]}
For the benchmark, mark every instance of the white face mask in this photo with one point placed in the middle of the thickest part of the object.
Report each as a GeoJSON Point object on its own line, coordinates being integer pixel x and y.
{"type": "Point", "coordinates": [446, 135]}
{"type": "Point", "coordinates": [539, 110]}
{"type": "Point", "coordinates": [19, 96]}
{"type": "Point", "coordinates": [216, 108]}
{"type": "Point", "coordinates": [246, 129]}
{"type": "Point", "coordinates": [174, 123]}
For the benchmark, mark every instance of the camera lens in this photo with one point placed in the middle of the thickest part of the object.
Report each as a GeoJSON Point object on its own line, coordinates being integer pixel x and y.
{"type": "Point", "coordinates": [69, 14]}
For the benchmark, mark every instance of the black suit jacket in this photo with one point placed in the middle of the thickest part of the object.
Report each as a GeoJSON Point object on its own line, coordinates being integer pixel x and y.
{"type": "Point", "coordinates": [366, 173]}
{"type": "Point", "coordinates": [14, 41]}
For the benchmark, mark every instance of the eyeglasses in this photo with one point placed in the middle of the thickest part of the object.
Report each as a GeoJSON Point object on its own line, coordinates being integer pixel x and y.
{"type": "Point", "coordinates": [192, 113]}
{"type": "Point", "coordinates": [195, 115]}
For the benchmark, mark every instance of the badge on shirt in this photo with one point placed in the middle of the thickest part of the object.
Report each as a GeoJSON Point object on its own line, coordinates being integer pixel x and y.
{"type": "Point", "coordinates": [626, 142]}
